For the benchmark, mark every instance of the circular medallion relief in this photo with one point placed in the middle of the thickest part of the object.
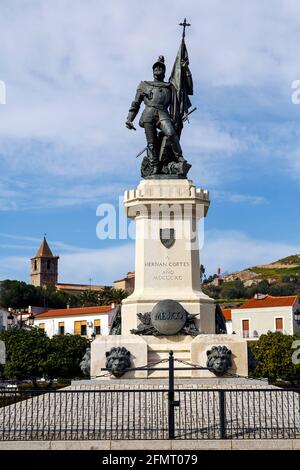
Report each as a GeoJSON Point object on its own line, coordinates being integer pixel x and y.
{"type": "Point", "coordinates": [168, 317]}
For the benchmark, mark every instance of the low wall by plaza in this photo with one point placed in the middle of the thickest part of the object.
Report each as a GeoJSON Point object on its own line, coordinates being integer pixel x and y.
{"type": "Point", "coordinates": [139, 413]}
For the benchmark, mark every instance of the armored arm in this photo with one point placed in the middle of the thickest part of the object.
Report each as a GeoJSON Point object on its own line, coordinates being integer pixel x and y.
{"type": "Point", "coordinates": [134, 108]}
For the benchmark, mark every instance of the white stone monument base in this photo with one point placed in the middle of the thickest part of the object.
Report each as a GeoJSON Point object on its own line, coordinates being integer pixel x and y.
{"type": "Point", "coordinates": [136, 345]}
{"type": "Point", "coordinates": [167, 260]}
{"type": "Point", "coordinates": [151, 349]}
{"type": "Point", "coordinates": [200, 305]}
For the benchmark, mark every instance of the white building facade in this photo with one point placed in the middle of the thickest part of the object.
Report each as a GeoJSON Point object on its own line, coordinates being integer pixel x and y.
{"type": "Point", "coordinates": [228, 320]}
{"type": "Point", "coordinates": [266, 313]}
{"type": "Point", "coordinates": [4, 313]}
{"type": "Point", "coordinates": [84, 321]}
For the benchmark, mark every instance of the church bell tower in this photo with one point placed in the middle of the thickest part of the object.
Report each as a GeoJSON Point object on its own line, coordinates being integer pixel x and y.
{"type": "Point", "coordinates": [44, 267]}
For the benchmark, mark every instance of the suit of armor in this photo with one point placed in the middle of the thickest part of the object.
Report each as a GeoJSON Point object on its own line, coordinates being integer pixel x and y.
{"type": "Point", "coordinates": [156, 96]}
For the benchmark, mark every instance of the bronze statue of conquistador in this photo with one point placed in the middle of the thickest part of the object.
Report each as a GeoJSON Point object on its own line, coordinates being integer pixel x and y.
{"type": "Point", "coordinates": [166, 107]}
{"type": "Point", "coordinates": [157, 96]}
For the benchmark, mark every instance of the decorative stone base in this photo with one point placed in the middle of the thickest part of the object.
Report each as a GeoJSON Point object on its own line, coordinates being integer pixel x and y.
{"type": "Point", "coordinates": [237, 345]}
{"type": "Point", "coordinates": [136, 345]}
{"type": "Point", "coordinates": [152, 349]}
{"type": "Point", "coordinates": [203, 307]}
{"type": "Point", "coordinates": [167, 264]}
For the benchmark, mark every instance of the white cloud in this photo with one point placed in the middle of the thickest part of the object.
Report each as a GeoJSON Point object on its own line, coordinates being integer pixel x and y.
{"type": "Point", "coordinates": [236, 198]}
{"type": "Point", "coordinates": [231, 250]}
{"type": "Point", "coordinates": [58, 193]}
{"type": "Point", "coordinates": [293, 164]}
{"type": "Point", "coordinates": [234, 250]}
{"type": "Point", "coordinates": [208, 137]}
{"type": "Point", "coordinates": [71, 69]}
{"type": "Point", "coordinates": [103, 265]}
{"type": "Point", "coordinates": [54, 244]}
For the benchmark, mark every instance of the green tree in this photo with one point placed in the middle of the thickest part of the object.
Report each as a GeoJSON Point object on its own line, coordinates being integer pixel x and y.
{"type": "Point", "coordinates": [263, 287]}
{"type": "Point", "coordinates": [109, 295]}
{"type": "Point", "coordinates": [30, 355]}
{"type": "Point", "coordinates": [282, 289]}
{"type": "Point", "coordinates": [26, 353]}
{"type": "Point", "coordinates": [273, 355]}
{"type": "Point", "coordinates": [233, 290]}
{"type": "Point", "coordinates": [18, 294]}
{"type": "Point", "coordinates": [64, 356]}
{"type": "Point", "coordinates": [212, 291]}
{"type": "Point", "coordinates": [89, 298]}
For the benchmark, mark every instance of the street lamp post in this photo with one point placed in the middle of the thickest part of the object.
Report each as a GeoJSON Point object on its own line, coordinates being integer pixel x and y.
{"type": "Point", "coordinates": [20, 312]}
{"type": "Point", "coordinates": [297, 316]}
{"type": "Point", "coordinates": [10, 319]}
{"type": "Point", "coordinates": [31, 317]}
{"type": "Point", "coordinates": [21, 318]}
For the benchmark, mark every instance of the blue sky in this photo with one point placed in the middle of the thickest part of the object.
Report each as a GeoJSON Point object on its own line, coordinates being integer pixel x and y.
{"type": "Point", "coordinates": [71, 69]}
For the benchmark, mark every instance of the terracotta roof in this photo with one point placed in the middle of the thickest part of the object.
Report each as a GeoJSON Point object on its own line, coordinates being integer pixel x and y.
{"type": "Point", "coordinates": [44, 250]}
{"type": "Point", "coordinates": [227, 314]}
{"type": "Point", "coordinates": [270, 301]}
{"type": "Point", "coordinates": [62, 286]}
{"type": "Point", "coordinates": [64, 312]}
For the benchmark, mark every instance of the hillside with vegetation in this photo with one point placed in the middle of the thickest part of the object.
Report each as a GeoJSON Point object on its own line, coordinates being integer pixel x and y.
{"type": "Point", "coordinates": [281, 277]}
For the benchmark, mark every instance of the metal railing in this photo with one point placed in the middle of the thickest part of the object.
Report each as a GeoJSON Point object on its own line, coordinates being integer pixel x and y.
{"type": "Point", "coordinates": [145, 414]}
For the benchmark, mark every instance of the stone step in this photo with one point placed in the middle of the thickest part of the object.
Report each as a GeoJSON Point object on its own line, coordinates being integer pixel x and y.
{"type": "Point", "coordinates": [163, 374]}
{"type": "Point", "coordinates": [166, 344]}
{"type": "Point", "coordinates": [159, 355]}
{"type": "Point", "coordinates": [165, 347]}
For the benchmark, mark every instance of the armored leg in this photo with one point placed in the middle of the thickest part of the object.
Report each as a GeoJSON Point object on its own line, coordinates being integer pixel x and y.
{"type": "Point", "coordinates": [151, 136]}
{"type": "Point", "coordinates": [168, 129]}
{"type": "Point", "coordinates": [176, 147]}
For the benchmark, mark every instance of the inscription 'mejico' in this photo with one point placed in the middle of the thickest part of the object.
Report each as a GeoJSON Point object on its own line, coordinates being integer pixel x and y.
{"type": "Point", "coordinates": [169, 316]}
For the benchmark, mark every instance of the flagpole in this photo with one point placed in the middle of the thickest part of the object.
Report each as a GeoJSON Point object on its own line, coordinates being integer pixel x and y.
{"type": "Point", "coordinates": [184, 24]}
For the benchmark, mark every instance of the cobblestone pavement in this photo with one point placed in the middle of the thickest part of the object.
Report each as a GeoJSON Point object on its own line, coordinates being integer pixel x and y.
{"type": "Point", "coordinates": [114, 410]}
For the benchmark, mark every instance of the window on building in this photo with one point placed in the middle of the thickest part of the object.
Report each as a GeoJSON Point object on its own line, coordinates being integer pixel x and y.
{"type": "Point", "coordinates": [80, 328]}
{"type": "Point", "coordinates": [35, 265]}
{"type": "Point", "coordinates": [61, 328]}
{"type": "Point", "coordinates": [42, 326]}
{"type": "Point", "coordinates": [48, 264]}
{"type": "Point", "coordinates": [279, 325]}
{"type": "Point", "coordinates": [245, 328]}
{"type": "Point", "coordinates": [97, 325]}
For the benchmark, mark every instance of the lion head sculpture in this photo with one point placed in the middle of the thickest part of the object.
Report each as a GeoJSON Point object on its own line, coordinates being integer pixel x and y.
{"type": "Point", "coordinates": [85, 364]}
{"type": "Point", "coordinates": [117, 361]}
{"type": "Point", "coordinates": [219, 360]}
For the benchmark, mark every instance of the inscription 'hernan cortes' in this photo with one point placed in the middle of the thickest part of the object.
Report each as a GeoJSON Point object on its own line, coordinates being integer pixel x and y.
{"type": "Point", "coordinates": [168, 272]}
{"type": "Point", "coordinates": [166, 264]}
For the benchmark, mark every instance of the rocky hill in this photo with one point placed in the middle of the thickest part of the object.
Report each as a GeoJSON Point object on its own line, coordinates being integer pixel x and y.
{"type": "Point", "coordinates": [283, 270]}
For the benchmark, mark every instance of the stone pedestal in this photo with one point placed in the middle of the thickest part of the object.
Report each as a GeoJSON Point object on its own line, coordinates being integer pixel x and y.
{"type": "Point", "coordinates": [136, 345]}
{"type": "Point", "coordinates": [167, 264]}
{"type": "Point", "coordinates": [150, 349]}
{"type": "Point", "coordinates": [238, 346]}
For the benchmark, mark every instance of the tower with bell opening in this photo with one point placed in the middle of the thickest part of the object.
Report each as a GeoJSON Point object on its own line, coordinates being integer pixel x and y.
{"type": "Point", "coordinates": [44, 267]}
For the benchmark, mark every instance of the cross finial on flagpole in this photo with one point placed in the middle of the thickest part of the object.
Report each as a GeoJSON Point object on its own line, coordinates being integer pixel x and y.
{"type": "Point", "coordinates": [184, 25]}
